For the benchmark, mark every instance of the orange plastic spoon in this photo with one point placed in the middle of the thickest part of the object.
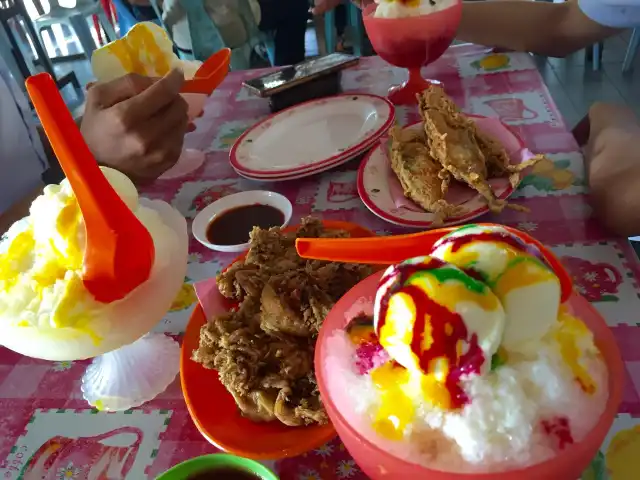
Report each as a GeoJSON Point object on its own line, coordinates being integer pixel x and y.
{"type": "Point", "coordinates": [119, 250]}
{"type": "Point", "coordinates": [397, 248]}
{"type": "Point", "coordinates": [210, 74]}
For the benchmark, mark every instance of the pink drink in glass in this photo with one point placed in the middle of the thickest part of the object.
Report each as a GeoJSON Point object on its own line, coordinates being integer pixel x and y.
{"type": "Point", "coordinates": [412, 43]}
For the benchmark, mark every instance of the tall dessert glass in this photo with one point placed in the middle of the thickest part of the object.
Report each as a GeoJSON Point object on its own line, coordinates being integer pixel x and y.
{"type": "Point", "coordinates": [130, 366]}
{"type": "Point", "coordinates": [412, 43]}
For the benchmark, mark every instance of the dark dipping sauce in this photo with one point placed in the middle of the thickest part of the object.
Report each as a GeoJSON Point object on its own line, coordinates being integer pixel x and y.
{"type": "Point", "coordinates": [232, 227]}
{"type": "Point", "coordinates": [224, 473]}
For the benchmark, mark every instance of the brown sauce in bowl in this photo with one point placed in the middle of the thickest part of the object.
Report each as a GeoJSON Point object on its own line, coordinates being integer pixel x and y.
{"type": "Point", "coordinates": [224, 473]}
{"type": "Point", "coordinates": [232, 227]}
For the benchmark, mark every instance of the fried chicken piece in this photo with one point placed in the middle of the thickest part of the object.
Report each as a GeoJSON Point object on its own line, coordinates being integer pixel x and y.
{"type": "Point", "coordinates": [336, 279]}
{"type": "Point", "coordinates": [266, 246]}
{"type": "Point", "coordinates": [452, 142]}
{"type": "Point", "coordinates": [300, 406]}
{"type": "Point", "coordinates": [292, 303]}
{"type": "Point", "coordinates": [423, 179]}
{"type": "Point", "coordinates": [239, 280]}
{"type": "Point", "coordinates": [257, 405]}
{"type": "Point", "coordinates": [263, 352]}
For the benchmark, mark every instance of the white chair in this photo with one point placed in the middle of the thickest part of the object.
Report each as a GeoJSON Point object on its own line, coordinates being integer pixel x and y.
{"type": "Point", "coordinates": [76, 18]}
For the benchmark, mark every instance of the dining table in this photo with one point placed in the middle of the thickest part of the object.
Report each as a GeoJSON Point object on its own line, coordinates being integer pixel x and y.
{"type": "Point", "coordinates": [43, 417]}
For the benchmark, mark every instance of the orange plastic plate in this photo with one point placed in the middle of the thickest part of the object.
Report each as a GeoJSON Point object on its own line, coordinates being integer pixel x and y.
{"type": "Point", "coordinates": [214, 410]}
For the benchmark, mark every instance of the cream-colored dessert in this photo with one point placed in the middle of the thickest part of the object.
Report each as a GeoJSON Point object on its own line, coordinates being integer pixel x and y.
{"type": "Point", "coordinates": [479, 367]}
{"type": "Point", "coordinates": [146, 50]}
{"type": "Point", "coordinates": [45, 310]}
{"type": "Point", "coordinates": [410, 8]}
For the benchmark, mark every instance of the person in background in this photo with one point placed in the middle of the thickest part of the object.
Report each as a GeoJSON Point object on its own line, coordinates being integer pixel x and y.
{"type": "Point", "coordinates": [285, 19]}
{"type": "Point", "coordinates": [134, 124]}
{"type": "Point", "coordinates": [223, 13]}
{"type": "Point", "coordinates": [141, 10]}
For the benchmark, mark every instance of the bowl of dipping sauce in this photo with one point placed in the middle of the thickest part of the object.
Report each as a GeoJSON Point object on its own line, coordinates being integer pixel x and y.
{"type": "Point", "coordinates": [225, 224]}
{"type": "Point", "coordinates": [219, 466]}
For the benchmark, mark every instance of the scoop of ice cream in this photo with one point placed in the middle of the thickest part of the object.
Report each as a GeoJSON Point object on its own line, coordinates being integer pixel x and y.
{"type": "Point", "coordinates": [514, 270]}
{"type": "Point", "coordinates": [410, 8]}
{"type": "Point", "coordinates": [433, 318]}
{"type": "Point", "coordinates": [146, 50]}
{"type": "Point", "coordinates": [45, 310]}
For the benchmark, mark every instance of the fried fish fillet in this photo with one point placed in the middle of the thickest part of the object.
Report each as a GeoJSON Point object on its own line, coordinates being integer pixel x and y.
{"type": "Point", "coordinates": [498, 161]}
{"type": "Point", "coordinates": [452, 142]}
{"type": "Point", "coordinates": [423, 179]}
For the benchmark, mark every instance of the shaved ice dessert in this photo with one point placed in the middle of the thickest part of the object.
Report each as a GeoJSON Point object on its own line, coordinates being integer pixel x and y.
{"type": "Point", "coordinates": [146, 49]}
{"type": "Point", "coordinates": [410, 8]}
{"type": "Point", "coordinates": [46, 311]}
{"type": "Point", "coordinates": [467, 361]}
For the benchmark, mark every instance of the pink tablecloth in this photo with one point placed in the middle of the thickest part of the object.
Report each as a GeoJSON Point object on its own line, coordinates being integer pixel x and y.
{"type": "Point", "coordinates": [40, 401]}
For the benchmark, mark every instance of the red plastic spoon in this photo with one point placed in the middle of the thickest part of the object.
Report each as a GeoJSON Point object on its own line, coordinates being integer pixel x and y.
{"type": "Point", "coordinates": [210, 74]}
{"type": "Point", "coordinates": [397, 248]}
{"type": "Point", "coordinates": [119, 250]}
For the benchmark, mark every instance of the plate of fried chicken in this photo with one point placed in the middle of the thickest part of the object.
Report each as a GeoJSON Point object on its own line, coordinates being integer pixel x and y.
{"type": "Point", "coordinates": [247, 364]}
{"type": "Point", "coordinates": [445, 170]}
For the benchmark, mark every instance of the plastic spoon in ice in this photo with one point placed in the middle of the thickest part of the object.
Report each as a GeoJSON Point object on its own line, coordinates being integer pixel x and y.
{"type": "Point", "coordinates": [387, 250]}
{"type": "Point", "coordinates": [119, 250]}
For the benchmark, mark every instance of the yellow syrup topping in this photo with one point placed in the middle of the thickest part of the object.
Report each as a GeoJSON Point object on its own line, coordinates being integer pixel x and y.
{"type": "Point", "coordinates": [571, 329]}
{"type": "Point", "coordinates": [522, 272]}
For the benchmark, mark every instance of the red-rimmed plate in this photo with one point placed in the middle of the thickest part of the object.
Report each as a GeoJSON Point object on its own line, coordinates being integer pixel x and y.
{"type": "Point", "coordinates": [381, 192]}
{"type": "Point", "coordinates": [312, 135]}
{"type": "Point", "coordinates": [213, 409]}
{"type": "Point", "coordinates": [313, 171]}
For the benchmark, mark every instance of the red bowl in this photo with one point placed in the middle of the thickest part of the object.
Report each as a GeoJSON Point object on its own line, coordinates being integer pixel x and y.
{"type": "Point", "coordinates": [379, 464]}
{"type": "Point", "coordinates": [214, 410]}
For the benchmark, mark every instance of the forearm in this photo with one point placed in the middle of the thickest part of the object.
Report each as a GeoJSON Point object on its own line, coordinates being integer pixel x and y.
{"type": "Point", "coordinates": [613, 167]}
{"type": "Point", "coordinates": [551, 29]}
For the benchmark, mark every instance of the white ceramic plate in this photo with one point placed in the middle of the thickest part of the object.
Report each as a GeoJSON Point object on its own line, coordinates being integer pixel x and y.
{"type": "Point", "coordinates": [311, 135]}
{"type": "Point", "coordinates": [253, 197]}
{"type": "Point", "coordinates": [312, 171]}
{"type": "Point", "coordinates": [388, 203]}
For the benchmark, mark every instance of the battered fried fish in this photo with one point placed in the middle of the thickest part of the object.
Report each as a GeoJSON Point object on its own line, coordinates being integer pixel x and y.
{"type": "Point", "coordinates": [423, 179]}
{"type": "Point", "coordinates": [498, 161]}
{"type": "Point", "coordinates": [452, 142]}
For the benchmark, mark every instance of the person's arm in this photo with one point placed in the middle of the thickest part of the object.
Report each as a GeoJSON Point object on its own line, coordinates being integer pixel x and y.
{"type": "Point", "coordinates": [551, 29]}
{"type": "Point", "coordinates": [612, 162]}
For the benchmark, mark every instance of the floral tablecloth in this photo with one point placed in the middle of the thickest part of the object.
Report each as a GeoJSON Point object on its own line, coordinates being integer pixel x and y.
{"type": "Point", "coordinates": [41, 407]}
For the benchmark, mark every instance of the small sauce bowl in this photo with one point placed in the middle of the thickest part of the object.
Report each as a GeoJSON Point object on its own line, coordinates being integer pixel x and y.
{"type": "Point", "coordinates": [237, 202]}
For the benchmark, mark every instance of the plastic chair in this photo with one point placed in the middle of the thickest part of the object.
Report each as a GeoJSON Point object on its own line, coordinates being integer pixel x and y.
{"type": "Point", "coordinates": [354, 20]}
{"type": "Point", "coordinates": [632, 50]}
{"type": "Point", "coordinates": [76, 18]}
{"type": "Point", "coordinates": [14, 11]}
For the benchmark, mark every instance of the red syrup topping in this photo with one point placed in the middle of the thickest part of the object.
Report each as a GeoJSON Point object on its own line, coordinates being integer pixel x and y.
{"type": "Point", "coordinates": [445, 343]}
{"type": "Point", "coordinates": [559, 429]}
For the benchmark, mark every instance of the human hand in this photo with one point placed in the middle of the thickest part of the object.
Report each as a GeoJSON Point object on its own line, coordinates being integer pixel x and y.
{"type": "Point", "coordinates": [136, 124]}
{"type": "Point", "coordinates": [613, 167]}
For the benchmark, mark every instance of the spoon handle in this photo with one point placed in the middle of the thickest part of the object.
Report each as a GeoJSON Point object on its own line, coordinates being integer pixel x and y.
{"type": "Point", "coordinates": [371, 250]}
{"type": "Point", "coordinates": [97, 199]}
